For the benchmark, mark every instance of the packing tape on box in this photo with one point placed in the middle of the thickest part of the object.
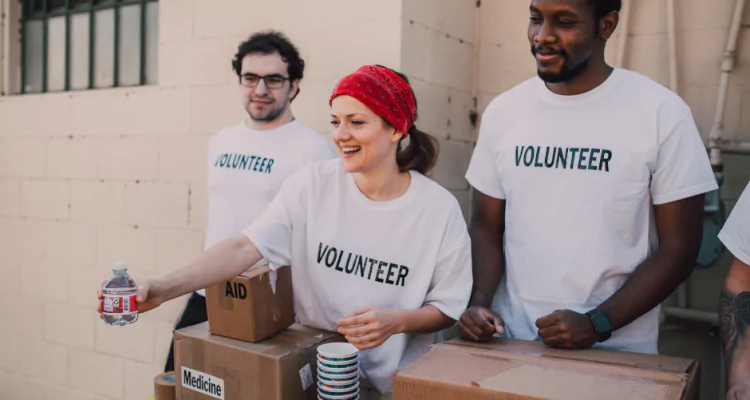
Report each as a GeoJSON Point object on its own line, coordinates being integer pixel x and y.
{"type": "Point", "coordinates": [164, 386]}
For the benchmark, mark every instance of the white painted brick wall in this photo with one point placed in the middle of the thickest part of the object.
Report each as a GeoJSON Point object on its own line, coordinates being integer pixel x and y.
{"type": "Point", "coordinates": [139, 379]}
{"type": "Point", "coordinates": [68, 325]}
{"type": "Point", "coordinates": [82, 282]}
{"type": "Point", "coordinates": [109, 373]}
{"type": "Point", "coordinates": [97, 201]}
{"type": "Point", "coordinates": [70, 242]}
{"type": "Point", "coordinates": [136, 246]}
{"type": "Point", "coordinates": [157, 204]}
{"type": "Point", "coordinates": [45, 199]}
{"type": "Point", "coordinates": [215, 107]}
{"type": "Point", "coordinates": [10, 351]}
{"type": "Point", "coordinates": [198, 206]}
{"type": "Point", "coordinates": [129, 158]}
{"type": "Point", "coordinates": [152, 111]}
{"type": "Point", "coordinates": [72, 158]}
{"type": "Point", "coordinates": [22, 158]}
{"type": "Point", "coordinates": [100, 113]}
{"type": "Point", "coordinates": [10, 201]}
{"type": "Point", "coordinates": [45, 280]}
{"type": "Point", "coordinates": [174, 249]}
{"type": "Point", "coordinates": [176, 20]}
{"type": "Point", "coordinates": [25, 317]}
{"type": "Point", "coordinates": [14, 386]}
{"type": "Point", "coordinates": [136, 342]}
{"type": "Point", "coordinates": [53, 115]}
{"type": "Point", "coordinates": [45, 361]}
{"type": "Point", "coordinates": [180, 159]}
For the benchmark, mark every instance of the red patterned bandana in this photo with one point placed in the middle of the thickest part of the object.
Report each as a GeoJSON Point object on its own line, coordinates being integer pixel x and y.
{"type": "Point", "coordinates": [383, 92]}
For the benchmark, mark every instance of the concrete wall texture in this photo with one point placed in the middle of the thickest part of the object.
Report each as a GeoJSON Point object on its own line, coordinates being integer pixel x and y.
{"type": "Point", "coordinates": [90, 177]}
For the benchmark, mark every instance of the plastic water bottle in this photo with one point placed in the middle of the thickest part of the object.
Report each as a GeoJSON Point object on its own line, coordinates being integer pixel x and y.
{"type": "Point", "coordinates": [119, 305]}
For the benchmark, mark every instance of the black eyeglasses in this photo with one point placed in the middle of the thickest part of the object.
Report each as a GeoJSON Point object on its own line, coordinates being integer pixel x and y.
{"type": "Point", "coordinates": [275, 81]}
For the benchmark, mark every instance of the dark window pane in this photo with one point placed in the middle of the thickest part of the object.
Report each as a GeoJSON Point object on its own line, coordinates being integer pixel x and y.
{"type": "Point", "coordinates": [152, 43]}
{"type": "Point", "coordinates": [79, 51]}
{"type": "Point", "coordinates": [104, 52]}
{"type": "Point", "coordinates": [53, 4]}
{"type": "Point", "coordinates": [37, 5]}
{"type": "Point", "coordinates": [130, 45]}
{"type": "Point", "coordinates": [32, 43]}
{"type": "Point", "coordinates": [56, 54]}
{"type": "Point", "coordinates": [76, 3]}
{"type": "Point", "coordinates": [99, 2]}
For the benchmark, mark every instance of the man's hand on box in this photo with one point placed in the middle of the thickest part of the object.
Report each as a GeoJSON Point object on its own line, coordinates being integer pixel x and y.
{"type": "Point", "coordinates": [480, 324]}
{"type": "Point", "coordinates": [370, 327]}
{"type": "Point", "coordinates": [567, 329]}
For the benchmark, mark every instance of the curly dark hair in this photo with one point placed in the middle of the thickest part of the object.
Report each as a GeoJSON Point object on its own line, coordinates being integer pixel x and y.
{"type": "Point", "coordinates": [604, 7]}
{"type": "Point", "coordinates": [270, 42]}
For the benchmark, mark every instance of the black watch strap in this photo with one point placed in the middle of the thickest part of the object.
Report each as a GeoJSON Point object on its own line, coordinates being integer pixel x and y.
{"type": "Point", "coordinates": [601, 324]}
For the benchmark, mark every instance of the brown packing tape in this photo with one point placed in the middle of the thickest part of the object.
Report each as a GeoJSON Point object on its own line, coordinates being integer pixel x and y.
{"type": "Point", "coordinates": [164, 386]}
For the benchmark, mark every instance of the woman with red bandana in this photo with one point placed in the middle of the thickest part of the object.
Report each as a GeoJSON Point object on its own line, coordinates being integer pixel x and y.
{"type": "Point", "coordinates": [380, 252]}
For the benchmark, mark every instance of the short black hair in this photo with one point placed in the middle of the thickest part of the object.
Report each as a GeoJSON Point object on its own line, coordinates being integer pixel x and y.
{"type": "Point", "coordinates": [604, 7]}
{"type": "Point", "coordinates": [270, 42]}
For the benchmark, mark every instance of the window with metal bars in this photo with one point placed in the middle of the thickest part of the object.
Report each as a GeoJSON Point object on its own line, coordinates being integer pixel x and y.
{"type": "Point", "coordinates": [88, 44]}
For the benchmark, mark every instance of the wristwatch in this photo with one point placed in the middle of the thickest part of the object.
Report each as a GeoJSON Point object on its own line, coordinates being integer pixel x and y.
{"type": "Point", "coordinates": [601, 323]}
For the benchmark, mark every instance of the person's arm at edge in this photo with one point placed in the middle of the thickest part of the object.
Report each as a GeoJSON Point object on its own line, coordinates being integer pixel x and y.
{"type": "Point", "coordinates": [735, 318]}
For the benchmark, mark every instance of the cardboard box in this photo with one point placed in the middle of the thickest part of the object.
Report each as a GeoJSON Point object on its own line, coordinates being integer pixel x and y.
{"type": "Point", "coordinates": [216, 367]}
{"type": "Point", "coordinates": [253, 306]}
{"type": "Point", "coordinates": [513, 369]}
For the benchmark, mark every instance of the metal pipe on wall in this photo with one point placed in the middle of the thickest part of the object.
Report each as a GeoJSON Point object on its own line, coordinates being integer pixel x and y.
{"type": "Point", "coordinates": [692, 315]}
{"type": "Point", "coordinates": [683, 291]}
{"type": "Point", "coordinates": [3, 47]}
{"type": "Point", "coordinates": [727, 66]}
{"type": "Point", "coordinates": [624, 32]}
{"type": "Point", "coordinates": [672, 36]}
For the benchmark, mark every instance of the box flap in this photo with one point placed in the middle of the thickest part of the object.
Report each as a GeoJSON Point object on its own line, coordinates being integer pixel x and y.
{"type": "Point", "coordinates": [257, 270]}
{"type": "Point", "coordinates": [513, 369]}
{"type": "Point", "coordinates": [293, 338]}
{"type": "Point", "coordinates": [600, 356]}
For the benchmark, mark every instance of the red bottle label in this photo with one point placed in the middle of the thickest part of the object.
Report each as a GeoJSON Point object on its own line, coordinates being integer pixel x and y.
{"type": "Point", "coordinates": [120, 305]}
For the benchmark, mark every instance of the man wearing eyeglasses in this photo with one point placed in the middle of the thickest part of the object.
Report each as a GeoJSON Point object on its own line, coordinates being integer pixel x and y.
{"type": "Point", "coordinates": [248, 162]}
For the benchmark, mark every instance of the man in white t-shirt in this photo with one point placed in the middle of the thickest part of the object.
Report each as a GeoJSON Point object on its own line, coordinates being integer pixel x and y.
{"type": "Point", "coordinates": [577, 171]}
{"type": "Point", "coordinates": [248, 162]}
{"type": "Point", "coordinates": [735, 299]}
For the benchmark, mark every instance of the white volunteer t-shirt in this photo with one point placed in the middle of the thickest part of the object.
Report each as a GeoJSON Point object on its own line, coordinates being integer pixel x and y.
{"type": "Point", "coordinates": [349, 252]}
{"type": "Point", "coordinates": [246, 169]}
{"type": "Point", "coordinates": [736, 231]}
{"type": "Point", "coordinates": [579, 175]}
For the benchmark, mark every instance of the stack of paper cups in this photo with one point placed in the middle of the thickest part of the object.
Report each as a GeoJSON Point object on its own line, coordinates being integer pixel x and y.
{"type": "Point", "coordinates": [338, 371]}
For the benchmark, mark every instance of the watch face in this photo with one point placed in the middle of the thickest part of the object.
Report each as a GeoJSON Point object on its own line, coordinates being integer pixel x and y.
{"type": "Point", "coordinates": [601, 322]}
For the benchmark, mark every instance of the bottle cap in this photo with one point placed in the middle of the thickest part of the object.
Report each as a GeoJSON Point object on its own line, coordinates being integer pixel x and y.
{"type": "Point", "coordinates": [119, 265]}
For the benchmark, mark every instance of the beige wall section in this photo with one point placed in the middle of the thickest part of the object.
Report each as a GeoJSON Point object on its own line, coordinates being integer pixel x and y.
{"type": "Point", "coordinates": [437, 53]}
{"type": "Point", "coordinates": [87, 178]}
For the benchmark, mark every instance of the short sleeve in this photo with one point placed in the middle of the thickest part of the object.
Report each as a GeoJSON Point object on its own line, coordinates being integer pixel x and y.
{"type": "Point", "coordinates": [483, 172]}
{"type": "Point", "coordinates": [735, 234]}
{"type": "Point", "coordinates": [450, 287]}
{"type": "Point", "coordinates": [682, 166]}
{"type": "Point", "coordinates": [272, 232]}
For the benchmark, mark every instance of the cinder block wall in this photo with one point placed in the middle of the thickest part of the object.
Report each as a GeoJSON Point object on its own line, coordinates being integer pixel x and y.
{"type": "Point", "coordinates": [438, 55]}
{"type": "Point", "coordinates": [87, 178]}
